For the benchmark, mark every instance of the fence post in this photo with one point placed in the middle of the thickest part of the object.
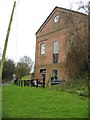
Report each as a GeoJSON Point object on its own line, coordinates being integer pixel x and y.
{"type": "Point", "coordinates": [21, 83]}
{"type": "Point", "coordinates": [24, 83]}
{"type": "Point", "coordinates": [31, 82]}
{"type": "Point", "coordinates": [37, 82]}
{"type": "Point", "coordinates": [43, 83]}
{"type": "Point", "coordinates": [28, 82]}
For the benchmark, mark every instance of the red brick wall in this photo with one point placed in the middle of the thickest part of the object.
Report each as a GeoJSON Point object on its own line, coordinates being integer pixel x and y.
{"type": "Point", "coordinates": [48, 33]}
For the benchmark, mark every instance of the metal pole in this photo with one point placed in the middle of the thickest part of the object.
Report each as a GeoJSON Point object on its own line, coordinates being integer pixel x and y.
{"type": "Point", "coordinates": [6, 42]}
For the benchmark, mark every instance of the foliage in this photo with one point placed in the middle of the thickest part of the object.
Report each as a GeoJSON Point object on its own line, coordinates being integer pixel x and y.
{"type": "Point", "coordinates": [77, 46]}
{"type": "Point", "coordinates": [31, 102]}
{"type": "Point", "coordinates": [26, 77]}
{"type": "Point", "coordinates": [78, 57]}
{"type": "Point", "coordinates": [28, 61]}
{"type": "Point", "coordinates": [77, 62]}
{"type": "Point", "coordinates": [9, 67]}
{"type": "Point", "coordinates": [24, 67]}
{"type": "Point", "coordinates": [21, 69]}
{"type": "Point", "coordinates": [79, 87]}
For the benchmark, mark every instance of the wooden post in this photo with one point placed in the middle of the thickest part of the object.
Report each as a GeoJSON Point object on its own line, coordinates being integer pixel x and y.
{"type": "Point", "coordinates": [31, 82]}
{"type": "Point", "coordinates": [6, 42]}
{"type": "Point", "coordinates": [24, 83]}
{"type": "Point", "coordinates": [21, 83]}
{"type": "Point", "coordinates": [37, 82]}
{"type": "Point", "coordinates": [43, 78]}
{"type": "Point", "coordinates": [43, 83]}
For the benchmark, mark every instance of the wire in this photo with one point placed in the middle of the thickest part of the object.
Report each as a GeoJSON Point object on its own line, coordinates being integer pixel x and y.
{"type": "Point", "coordinates": [18, 3]}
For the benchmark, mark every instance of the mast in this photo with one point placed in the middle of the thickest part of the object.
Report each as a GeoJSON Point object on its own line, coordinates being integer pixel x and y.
{"type": "Point", "coordinates": [6, 42]}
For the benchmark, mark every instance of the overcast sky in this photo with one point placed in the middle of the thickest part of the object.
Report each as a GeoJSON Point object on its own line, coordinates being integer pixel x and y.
{"type": "Point", "coordinates": [28, 17]}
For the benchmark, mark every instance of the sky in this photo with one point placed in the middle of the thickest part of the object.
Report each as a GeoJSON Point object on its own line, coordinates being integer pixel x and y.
{"type": "Point", "coordinates": [29, 15]}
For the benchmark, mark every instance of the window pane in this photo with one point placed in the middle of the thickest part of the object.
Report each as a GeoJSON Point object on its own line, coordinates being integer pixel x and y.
{"type": "Point", "coordinates": [55, 47]}
{"type": "Point", "coordinates": [55, 58]}
{"type": "Point", "coordinates": [54, 74]}
{"type": "Point", "coordinates": [42, 49]}
{"type": "Point", "coordinates": [42, 70]}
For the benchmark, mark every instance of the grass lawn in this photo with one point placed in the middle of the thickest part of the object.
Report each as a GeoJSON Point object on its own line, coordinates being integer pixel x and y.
{"type": "Point", "coordinates": [31, 102]}
{"type": "Point", "coordinates": [0, 101]}
{"type": "Point", "coordinates": [27, 77]}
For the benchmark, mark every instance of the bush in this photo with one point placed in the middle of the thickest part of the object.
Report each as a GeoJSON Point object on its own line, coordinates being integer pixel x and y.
{"type": "Point", "coordinates": [74, 86]}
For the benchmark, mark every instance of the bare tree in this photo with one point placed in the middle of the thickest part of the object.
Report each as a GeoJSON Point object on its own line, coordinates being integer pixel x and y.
{"type": "Point", "coordinates": [76, 44]}
{"type": "Point", "coordinates": [28, 61]}
{"type": "Point", "coordinates": [77, 47]}
{"type": "Point", "coordinates": [77, 50]}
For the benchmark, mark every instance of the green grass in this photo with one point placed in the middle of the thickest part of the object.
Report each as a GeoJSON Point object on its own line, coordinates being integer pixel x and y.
{"type": "Point", "coordinates": [31, 102]}
{"type": "Point", "coordinates": [27, 77]}
{"type": "Point", "coordinates": [0, 101]}
{"type": "Point", "coordinates": [74, 86]}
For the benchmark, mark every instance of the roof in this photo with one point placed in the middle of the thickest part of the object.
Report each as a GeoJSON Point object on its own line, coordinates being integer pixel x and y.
{"type": "Point", "coordinates": [61, 9]}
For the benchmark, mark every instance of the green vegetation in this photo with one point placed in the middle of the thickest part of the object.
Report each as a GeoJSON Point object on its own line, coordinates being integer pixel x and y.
{"type": "Point", "coordinates": [79, 87]}
{"type": "Point", "coordinates": [26, 77]}
{"type": "Point", "coordinates": [0, 102]}
{"type": "Point", "coordinates": [23, 68]}
{"type": "Point", "coordinates": [32, 102]}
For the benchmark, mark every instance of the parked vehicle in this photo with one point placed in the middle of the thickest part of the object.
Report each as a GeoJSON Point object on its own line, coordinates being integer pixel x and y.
{"type": "Point", "coordinates": [34, 83]}
{"type": "Point", "coordinates": [54, 82]}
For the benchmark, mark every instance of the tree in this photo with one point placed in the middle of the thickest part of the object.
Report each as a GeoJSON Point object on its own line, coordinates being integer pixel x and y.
{"type": "Point", "coordinates": [9, 67]}
{"type": "Point", "coordinates": [28, 61]}
{"type": "Point", "coordinates": [24, 66]}
{"type": "Point", "coordinates": [88, 11]}
{"type": "Point", "coordinates": [85, 7]}
{"type": "Point", "coordinates": [78, 55]}
{"type": "Point", "coordinates": [77, 44]}
{"type": "Point", "coordinates": [21, 69]}
{"type": "Point", "coordinates": [76, 60]}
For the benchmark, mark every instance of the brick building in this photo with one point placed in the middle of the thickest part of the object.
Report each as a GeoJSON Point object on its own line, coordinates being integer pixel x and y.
{"type": "Point", "coordinates": [52, 42]}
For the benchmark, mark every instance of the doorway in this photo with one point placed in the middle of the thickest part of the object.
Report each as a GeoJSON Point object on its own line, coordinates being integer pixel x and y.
{"type": "Point", "coordinates": [43, 79]}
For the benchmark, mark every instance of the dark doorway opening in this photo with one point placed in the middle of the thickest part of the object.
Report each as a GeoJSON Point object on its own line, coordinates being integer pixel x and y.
{"type": "Point", "coordinates": [43, 79]}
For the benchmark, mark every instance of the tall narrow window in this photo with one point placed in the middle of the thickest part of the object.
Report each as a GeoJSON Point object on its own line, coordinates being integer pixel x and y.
{"type": "Point", "coordinates": [55, 58]}
{"type": "Point", "coordinates": [55, 47]}
{"type": "Point", "coordinates": [42, 49]}
{"type": "Point", "coordinates": [54, 74]}
{"type": "Point", "coordinates": [55, 52]}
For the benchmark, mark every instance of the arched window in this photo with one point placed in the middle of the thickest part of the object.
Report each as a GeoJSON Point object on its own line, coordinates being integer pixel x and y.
{"type": "Point", "coordinates": [42, 49]}
{"type": "Point", "coordinates": [55, 47]}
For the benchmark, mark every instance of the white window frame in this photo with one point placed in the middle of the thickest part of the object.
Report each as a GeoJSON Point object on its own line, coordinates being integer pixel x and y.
{"type": "Point", "coordinates": [55, 47]}
{"type": "Point", "coordinates": [56, 18]}
{"type": "Point", "coordinates": [42, 48]}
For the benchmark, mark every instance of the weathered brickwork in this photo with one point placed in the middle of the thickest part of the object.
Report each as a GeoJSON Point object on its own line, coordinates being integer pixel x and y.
{"type": "Point", "coordinates": [48, 33]}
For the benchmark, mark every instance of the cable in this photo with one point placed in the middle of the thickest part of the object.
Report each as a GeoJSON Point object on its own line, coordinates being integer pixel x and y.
{"type": "Point", "coordinates": [18, 3]}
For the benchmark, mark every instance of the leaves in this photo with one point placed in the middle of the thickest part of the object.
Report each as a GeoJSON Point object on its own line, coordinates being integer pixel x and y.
{"type": "Point", "coordinates": [24, 66]}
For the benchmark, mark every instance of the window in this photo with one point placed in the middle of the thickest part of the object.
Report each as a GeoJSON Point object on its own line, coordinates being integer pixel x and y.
{"type": "Point", "coordinates": [42, 70]}
{"type": "Point", "coordinates": [55, 47]}
{"type": "Point", "coordinates": [54, 75]}
{"type": "Point", "coordinates": [55, 58]}
{"type": "Point", "coordinates": [55, 52]}
{"type": "Point", "coordinates": [56, 19]}
{"type": "Point", "coordinates": [42, 49]}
